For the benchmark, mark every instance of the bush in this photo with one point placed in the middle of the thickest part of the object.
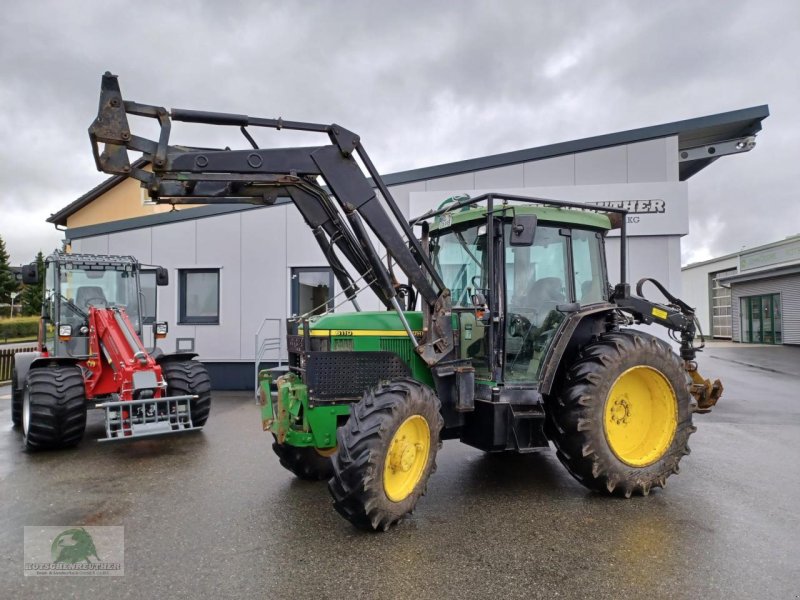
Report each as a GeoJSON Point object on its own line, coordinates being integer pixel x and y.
{"type": "Point", "coordinates": [20, 327]}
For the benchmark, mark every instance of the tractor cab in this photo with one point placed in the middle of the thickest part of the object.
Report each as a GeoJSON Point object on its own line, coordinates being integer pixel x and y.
{"type": "Point", "coordinates": [74, 283]}
{"type": "Point", "coordinates": [514, 276]}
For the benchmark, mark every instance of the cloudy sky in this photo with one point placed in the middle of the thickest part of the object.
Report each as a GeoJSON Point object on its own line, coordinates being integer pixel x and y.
{"type": "Point", "coordinates": [422, 82]}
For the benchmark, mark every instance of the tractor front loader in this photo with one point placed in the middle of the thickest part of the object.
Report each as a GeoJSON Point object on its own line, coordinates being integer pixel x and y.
{"type": "Point", "coordinates": [519, 340]}
{"type": "Point", "coordinates": [90, 350]}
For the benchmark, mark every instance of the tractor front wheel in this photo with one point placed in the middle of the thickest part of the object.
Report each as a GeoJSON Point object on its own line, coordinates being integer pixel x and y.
{"type": "Point", "coordinates": [189, 378]}
{"type": "Point", "coordinates": [386, 453]}
{"type": "Point", "coordinates": [624, 414]}
{"type": "Point", "coordinates": [53, 408]}
{"type": "Point", "coordinates": [306, 463]}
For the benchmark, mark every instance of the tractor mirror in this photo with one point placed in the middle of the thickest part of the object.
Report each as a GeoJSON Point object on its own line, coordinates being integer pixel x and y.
{"type": "Point", "coordinates": [522, 229]}
{"type": "Point", "coordinates": [162, 276]}
{"type": "Point", "coordinates": [30, 274]}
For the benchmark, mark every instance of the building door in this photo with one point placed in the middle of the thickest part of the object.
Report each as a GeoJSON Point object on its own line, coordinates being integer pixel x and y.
{"type": "Point", "coordinates": [312, 290]}
{"type": "Point", "coordinates": [761, 319]}
{"type": "Point", "coordinates": [721, 305]}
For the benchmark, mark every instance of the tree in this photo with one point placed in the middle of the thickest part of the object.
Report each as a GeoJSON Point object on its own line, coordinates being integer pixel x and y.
{"type": "Point", "coordinates": [33, 295]}
{"type": "Point", "coordinates": [8, 281]}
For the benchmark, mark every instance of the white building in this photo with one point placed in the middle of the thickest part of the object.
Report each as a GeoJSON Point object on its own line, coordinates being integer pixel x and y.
{"type": "Point", "coordinates": [751, 296]}
{"type": "Point", "coordinates": [233, 266]}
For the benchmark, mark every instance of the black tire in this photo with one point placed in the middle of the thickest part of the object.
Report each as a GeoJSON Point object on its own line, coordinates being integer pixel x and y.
{"type": "Point", "coordinates": [189, 377]}
{"type": "Point", "coordinates": [577, 416]}
{"type": "Point", "coordinates": [56, 408]}
{"type": "Point", "coordinates": [16, 400]}
{"type": "Point", "coordinates": [306, 463]}
{"type": "Point", "coordinates": [357, 485]}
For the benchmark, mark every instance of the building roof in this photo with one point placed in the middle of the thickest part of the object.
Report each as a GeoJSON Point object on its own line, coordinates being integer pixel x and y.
{"type": "Point", "coordinates": [779, 271]}
{"type": "Point", "coordinates": [691, 133]}
{"type": "Point", "coordinates": [744, 251]}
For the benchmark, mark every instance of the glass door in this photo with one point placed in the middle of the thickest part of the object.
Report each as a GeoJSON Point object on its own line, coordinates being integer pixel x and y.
{"type": "Point", "coordinates": [761, 319]}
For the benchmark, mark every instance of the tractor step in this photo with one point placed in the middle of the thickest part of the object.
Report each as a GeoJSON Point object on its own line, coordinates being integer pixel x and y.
{"type": "Point", "coordinates": [132, 419]}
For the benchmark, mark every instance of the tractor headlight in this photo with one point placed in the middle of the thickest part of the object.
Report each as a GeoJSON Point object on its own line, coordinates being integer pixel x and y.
{"type": "Point", "coordinates": [160, 329]}
{"type": "Point", "coordinates": [65, 332]}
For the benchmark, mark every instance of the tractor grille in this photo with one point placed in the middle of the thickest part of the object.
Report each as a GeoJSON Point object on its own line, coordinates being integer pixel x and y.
{"type": "Point", "coordinates": [400, 346]}
{"type": "Point", "coordinates": [346, 375]}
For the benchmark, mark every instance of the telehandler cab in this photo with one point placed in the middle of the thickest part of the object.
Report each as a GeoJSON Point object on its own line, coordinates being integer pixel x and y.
{"type": "Point", "coordinates": [520, 339]}
{"type": "Point", "coordinates": [90, 350]}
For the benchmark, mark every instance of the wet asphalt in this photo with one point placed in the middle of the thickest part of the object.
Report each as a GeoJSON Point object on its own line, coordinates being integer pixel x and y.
{"type": "Point", "coordinates": [213, 515]}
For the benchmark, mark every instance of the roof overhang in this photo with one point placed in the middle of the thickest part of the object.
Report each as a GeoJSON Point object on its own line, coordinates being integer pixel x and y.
{"type": "Point", "coordinates": [762, 274]}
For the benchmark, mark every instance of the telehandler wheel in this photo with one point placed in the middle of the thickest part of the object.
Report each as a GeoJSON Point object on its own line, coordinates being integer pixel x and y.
{"type": "Point", "coordinates": [306, 463]}
{"type": "Point", "coordinates": [16, 400]}
{"type": "Point", "coordinates": [185, 377]}
{"type": "Point", "coordinates": [624, 414]}
{"type": "Point", "coordinates": [386, 453]}
{"type": "Point", "coordinates": [53, 408]}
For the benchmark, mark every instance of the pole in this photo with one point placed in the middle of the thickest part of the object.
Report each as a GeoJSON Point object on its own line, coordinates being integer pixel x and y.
{"type": "Point", "coordinates": [13, 295]}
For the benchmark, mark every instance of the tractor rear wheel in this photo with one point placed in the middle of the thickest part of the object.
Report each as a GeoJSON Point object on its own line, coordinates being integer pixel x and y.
{"type": "Point", "coordinates": [16, 400]}
{"type": "Point", "coordinates": [189, 377]}
{"type": "Point", "coordinates": [623, 416]}
{"type": "Point", "coordinates": [53, 407]}
{"type": "Point", "coordinates": [306, 462]}
{"type": "Point", "coordinates": [386, 453]}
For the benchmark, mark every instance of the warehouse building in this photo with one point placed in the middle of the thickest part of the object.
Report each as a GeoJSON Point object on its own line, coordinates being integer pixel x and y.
{"type": "Point", "coordinates": [237, 270]}
{"type": "Point", "coordinates": [751, 296]}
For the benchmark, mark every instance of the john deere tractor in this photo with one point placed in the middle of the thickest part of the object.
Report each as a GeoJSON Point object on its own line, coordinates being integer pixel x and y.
{"type": "Point", "coordinates": [518, 341]}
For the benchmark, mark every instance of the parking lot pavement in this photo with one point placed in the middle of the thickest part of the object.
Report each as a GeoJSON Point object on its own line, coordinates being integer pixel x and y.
{"type": "Point", "coordinates": [213, 515]}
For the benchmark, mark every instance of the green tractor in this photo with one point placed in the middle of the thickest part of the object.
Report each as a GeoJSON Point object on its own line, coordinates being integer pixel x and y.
{"type": "Point", "coordinates": [519, 339]}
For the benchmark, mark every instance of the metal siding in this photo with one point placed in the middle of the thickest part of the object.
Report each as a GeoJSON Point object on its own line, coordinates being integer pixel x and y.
{"type": "Point", "coordinates": [264, 284]}
{"type": "Point", "coordinates": [550, 171]}
{"type": "Point", "coordinates": [400, 193]}
{"type": "Point", "coordinates": [788, 288]}
{"type": "Point", "coordinates": [647, 161]}
{"type": "Point", "coordinates": [136, 242]}
{"type": "Point", "coordinates": [219, 246]}
{"type": "Point", "coordinates": [502, 177]}
{"type": "Point", "coordinates": [464, 181]}
{"type": "Point", "coordinates": [94, 245]}
{"type": "Point", "coordinates": [609, 165]}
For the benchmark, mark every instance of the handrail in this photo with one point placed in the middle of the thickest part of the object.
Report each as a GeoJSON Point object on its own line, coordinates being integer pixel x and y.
{"type": "Point", "coordinates": [265, 345]}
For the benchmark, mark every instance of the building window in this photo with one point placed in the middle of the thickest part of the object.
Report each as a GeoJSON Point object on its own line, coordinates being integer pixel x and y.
{"type": "Point", "coordinates": [198, 296]}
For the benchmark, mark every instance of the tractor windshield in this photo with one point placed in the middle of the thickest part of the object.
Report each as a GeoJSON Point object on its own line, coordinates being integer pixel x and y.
{"type": "Point", "coordinates": [73, 288]}
{"type": "Point", "coordinates": [81, 288]}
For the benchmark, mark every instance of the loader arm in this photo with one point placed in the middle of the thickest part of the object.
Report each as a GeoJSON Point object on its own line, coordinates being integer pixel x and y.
{"type": "Point", "coordinates": [336, 215]}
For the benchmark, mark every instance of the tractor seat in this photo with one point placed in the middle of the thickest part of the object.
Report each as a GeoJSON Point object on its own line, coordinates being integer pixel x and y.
{"type": "Point", "coordinates": [90, 295]}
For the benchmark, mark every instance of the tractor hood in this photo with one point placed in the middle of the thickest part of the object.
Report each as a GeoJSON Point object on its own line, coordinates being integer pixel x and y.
{"type": "Point", "coordinates": [365, 323]}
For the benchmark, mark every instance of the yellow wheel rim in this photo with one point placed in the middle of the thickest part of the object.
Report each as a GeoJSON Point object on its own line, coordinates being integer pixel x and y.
{"type": "Point", "coordinates": [406, 458]}
{"type": "Point", "coordinates": [640, 416]}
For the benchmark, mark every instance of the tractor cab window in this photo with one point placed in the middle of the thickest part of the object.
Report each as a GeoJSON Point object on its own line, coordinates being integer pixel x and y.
{"type": "Point", "coordinates": [537, 280]}
{"type": "Point", "coordinates": [458, 257]}
{"type": "Point", "coordinates": [587, 261]}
